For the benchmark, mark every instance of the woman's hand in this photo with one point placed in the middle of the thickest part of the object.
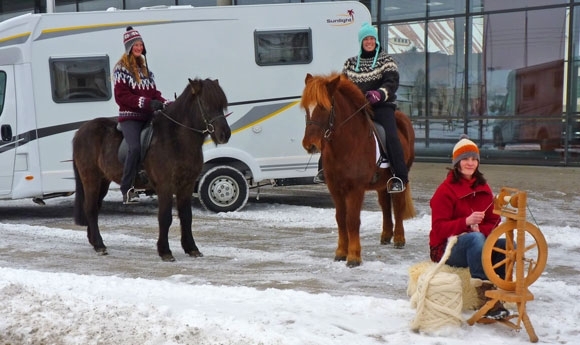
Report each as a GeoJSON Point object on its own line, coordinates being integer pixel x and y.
{"type": "Point", "coordinates": [474, 220]}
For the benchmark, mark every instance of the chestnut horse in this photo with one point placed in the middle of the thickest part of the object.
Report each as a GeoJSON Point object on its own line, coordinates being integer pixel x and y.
{"type": "Point", "coordinates": [173, 161]}
{"type": "Point", "coordinates": [339, 126]}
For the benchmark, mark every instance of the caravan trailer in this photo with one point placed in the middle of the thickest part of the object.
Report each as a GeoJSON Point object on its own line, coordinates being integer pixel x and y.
{"type": "Point", "coordinates": [55, 74]}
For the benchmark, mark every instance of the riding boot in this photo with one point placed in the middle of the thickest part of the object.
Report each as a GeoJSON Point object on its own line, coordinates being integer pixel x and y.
{"type": "Point", "coordinates": [498, 311]}
{"type": "Point", "coordinates": [319, 178]}
{"type": "Point", "coordinates": [385, 115]}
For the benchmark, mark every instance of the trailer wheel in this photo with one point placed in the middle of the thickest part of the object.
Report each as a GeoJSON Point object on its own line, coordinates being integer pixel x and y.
{"type": "Point", "coordinates": [223, 189]}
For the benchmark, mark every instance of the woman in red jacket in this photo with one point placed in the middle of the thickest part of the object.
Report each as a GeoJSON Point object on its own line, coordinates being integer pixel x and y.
{"type": "Point", "coordinates": [462, 206]}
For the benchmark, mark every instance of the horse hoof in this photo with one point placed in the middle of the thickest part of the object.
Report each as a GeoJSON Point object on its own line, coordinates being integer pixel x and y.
{"type": "Point", "coordinates": [385, 242]}
{"type": "Point", "coordinates": [101, 251]}
{"type": "Point", "coordinates": [167, 258]}
{"type": "Point", "coordinates": [353, 263]}
{"type": "Point", "coordinates": [195, 254]}
{"type": "Point", "coordinates": [399, 245]}
{"type": "Point", "coordinates": [340, 258]}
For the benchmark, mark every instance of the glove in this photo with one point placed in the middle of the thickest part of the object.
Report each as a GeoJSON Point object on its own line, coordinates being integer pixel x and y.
{"type": "Point", "coordinates": [156, 105]}
{"type": "Point", "coordinates": [373, 96]}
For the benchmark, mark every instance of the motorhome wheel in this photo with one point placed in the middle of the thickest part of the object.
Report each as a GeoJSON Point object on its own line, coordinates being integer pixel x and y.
{"type": "Point", "coordinates": [223, 189]}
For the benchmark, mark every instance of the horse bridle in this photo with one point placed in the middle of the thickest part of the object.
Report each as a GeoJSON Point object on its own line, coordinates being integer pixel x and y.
{"type": "Point", "coordinates": [209, 127]}
{"type": "Point", "coordinates": [328, 129]}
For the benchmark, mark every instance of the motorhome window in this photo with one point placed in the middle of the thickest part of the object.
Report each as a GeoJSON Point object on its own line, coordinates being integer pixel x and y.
{"type": "Point", "coordinates": [2, 91]}
{"type": "Point", "coordinates": [82, 79]}
{"type": "Point", "coordinates": [283, 47]}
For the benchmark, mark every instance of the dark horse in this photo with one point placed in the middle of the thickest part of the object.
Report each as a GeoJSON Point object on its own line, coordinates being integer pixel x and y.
{"type": "Point", "coordinates": [173, 161]}
{"type": "Point", "coordinates": [337, 126]}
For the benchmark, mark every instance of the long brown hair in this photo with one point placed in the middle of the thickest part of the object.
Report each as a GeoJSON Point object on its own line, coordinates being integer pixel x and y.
{"type": "Point", "coordinates": [134, 65]}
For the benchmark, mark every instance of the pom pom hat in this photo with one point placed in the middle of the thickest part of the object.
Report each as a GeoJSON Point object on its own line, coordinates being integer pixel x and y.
{"type": "Point", "coordinates": [130, 37]}
{"type": "Point", "coordinates": [365, 31]}
{"type": "Point", "coordinates": [464, 148]}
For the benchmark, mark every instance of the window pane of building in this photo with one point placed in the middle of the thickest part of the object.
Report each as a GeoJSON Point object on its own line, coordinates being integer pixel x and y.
{"type": "Point", "coordinates": [405, 43]}
{"type": "Point", "coordinates": [99, 5]}
{"type": "Point", "coordinates": [498, 5]}
{"type": "Point", "coordinates": [393, 10]}
{"type": "Point", "coordinates": [135, 4]}
{"type": "Point", "coordinates": [524, 65]}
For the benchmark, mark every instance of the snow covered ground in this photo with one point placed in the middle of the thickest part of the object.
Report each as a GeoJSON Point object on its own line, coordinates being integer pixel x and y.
{"type": "Point", "coordinates": [267, 277]}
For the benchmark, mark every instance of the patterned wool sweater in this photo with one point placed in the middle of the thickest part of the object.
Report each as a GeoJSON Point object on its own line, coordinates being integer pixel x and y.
{"type": "Point", "coordinates": [134, 97]}
{"type": "Point", "coordinates": [383, 77]}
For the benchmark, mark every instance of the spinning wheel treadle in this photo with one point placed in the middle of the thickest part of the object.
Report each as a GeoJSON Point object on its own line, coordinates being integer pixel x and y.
{"type": "Point", "coordinates": [535, 255]}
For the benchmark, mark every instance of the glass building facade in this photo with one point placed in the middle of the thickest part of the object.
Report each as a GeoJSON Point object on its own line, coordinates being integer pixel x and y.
{"type": "Point", "coordinates": [507, 73]}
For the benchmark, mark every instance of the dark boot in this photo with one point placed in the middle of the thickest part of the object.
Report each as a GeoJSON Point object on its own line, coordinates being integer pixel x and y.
{"type": "Point", "coordinates": [319, 178]}
{"type": "Point", "coordinates": [497, 312]}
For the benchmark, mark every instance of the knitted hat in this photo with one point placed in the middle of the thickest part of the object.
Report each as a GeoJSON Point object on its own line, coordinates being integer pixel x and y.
{"type": "Point", "coordinates": [367, 30]}
{"type": "Point", "coordinates": [464, 148]}
{"type": "Point", "coordinates": [130, 37]}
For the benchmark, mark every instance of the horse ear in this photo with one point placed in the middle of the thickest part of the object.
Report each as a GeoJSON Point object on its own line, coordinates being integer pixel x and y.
{"type": "Point", "coordinates": [195, 86]}
{"type": "Point", "coordinates": [333, 85]}
{"type": "Point", "coordinates": [308, 77]}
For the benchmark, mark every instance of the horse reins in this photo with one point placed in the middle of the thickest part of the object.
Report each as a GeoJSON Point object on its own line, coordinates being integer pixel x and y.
{"type": "Point", "coordinates": [329, 128]}
{"type": "Point", "coordinates": [209, 128]}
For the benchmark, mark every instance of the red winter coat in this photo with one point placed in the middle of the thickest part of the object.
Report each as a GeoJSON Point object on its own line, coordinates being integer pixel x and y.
{"type": "Point", "coordinates": [451, 204]}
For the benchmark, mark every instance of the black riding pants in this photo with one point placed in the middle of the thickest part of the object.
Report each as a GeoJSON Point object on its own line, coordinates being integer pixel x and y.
{"type": "Point", "coordinates": [131, 132]}
{"type": "Point", "coordinates": [385, 115]}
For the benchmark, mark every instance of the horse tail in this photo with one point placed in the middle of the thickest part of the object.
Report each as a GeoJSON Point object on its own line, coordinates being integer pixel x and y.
{"type": "Point", "coordinates": [408, 207]}
{"type": "Point", "coordinates": [79, 212]}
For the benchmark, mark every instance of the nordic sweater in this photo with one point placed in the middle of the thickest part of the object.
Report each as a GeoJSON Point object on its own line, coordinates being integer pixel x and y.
{"type": "Point", "coordinates": [384, 77]}
{"type": "Point", "coordinates": [451, 204]}
{"type": "Point", "coordinates": [134, 97]}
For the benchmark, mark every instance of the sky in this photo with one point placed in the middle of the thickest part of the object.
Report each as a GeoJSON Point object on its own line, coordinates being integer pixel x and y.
{"type": "Point", "coordinates": [52, 290]}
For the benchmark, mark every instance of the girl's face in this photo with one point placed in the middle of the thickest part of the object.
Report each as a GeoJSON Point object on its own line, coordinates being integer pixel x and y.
{"type": "Point", "coordinates": [369, 43]}
{"type": "Point", "coordinates": [468, 166]}
{"type": "Point", "coordinates": [137, 49]}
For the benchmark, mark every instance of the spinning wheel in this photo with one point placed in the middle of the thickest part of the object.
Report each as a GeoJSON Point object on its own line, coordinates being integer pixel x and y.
{"type": "Point", "coordinates": [526, 254]}
{"type": "Point", "coordinates": [535, 255]}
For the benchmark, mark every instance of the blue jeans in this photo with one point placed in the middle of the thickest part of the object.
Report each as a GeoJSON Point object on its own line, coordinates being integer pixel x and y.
{"type": "Point", "coordinates": [467, 253]}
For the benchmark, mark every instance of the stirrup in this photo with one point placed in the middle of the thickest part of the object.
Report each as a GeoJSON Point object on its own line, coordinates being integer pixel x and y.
{"type": "Point", "coordinates": [131, 197]}
{"type": "Point", "coordinates": [395, 185]}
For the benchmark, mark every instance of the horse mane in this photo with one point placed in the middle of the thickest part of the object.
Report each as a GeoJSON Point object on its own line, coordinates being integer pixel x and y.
{"type": "Point", "coordinates": [213, 97]}
{"type": "Point", "coordinates": [316, 90]}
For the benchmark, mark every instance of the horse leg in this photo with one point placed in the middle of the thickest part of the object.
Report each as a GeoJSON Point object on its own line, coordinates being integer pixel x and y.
{"type": "Point", "coordinates": [103, 192]}
{"type": "Point", "coordinates": [354, 201]}
{"type": "Point", "coordinates": [93, 193]}
{"type": "Point", "coordinates": [340, 216]}
{"type": "Point", "coordinates": [385, 203]}
{"type": "Point", "coordinates": [398, 211]}
{"type": "Point", "coordinates": [164, 218]}
{"type": "Point", "coordinates": [185, 218]}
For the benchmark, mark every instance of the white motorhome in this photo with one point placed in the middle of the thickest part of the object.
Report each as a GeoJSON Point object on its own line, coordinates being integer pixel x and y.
{"type": "Point", "coordinates": [55, 74]}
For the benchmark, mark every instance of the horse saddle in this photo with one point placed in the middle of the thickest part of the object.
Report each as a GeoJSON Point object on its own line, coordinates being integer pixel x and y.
{"type": "Point", "coordinates": [381, 136]}
{"type": "Point", "coordinates": [146, 135]}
